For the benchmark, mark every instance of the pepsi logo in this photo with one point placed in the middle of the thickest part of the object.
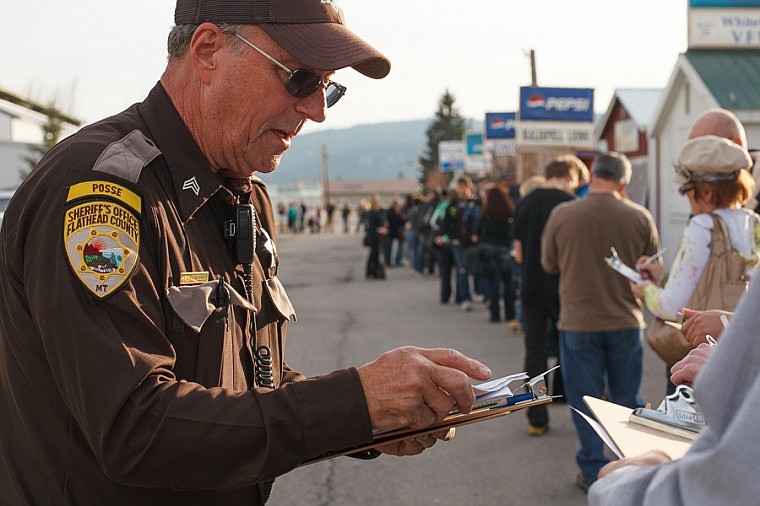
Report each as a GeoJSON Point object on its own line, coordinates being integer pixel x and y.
{"type": "Point", "coordinates": [536, 101]}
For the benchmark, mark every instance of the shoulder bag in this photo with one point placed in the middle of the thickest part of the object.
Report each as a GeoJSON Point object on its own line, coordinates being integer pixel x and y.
{"type": "Point", "coordinates": [720, 287]}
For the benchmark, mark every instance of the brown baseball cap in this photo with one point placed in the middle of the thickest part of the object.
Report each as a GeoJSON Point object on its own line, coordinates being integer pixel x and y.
{"type": "Point", "coordinates": [312, 31]}
{"type": "Point", "coordinates": [710, 158]}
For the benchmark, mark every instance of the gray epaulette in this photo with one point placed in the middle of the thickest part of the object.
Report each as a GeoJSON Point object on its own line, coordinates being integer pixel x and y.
{"type": "Point", "coordinates": [127, 157]}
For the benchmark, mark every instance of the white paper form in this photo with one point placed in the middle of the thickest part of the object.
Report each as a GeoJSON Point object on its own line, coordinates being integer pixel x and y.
{"type": "Point", "coordinates": [601, 432]}
{"type": "Point", "coordinates": [492, 393]}
{"type": "Point", "coordinates": [497, 388]}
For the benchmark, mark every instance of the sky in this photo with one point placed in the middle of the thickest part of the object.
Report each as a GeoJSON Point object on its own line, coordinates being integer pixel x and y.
{"type": "Point", "coordinates": [95, 58]}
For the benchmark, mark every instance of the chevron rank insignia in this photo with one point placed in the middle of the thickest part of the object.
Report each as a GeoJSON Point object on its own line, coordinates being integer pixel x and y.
{"type": "Point", "coordinates": [101, 231]}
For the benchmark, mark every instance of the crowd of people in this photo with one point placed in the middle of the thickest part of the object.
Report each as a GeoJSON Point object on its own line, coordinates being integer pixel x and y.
{"type": "Point", "coordinates": [528, 252]}
{"type": "Point", "coordinates": [158, 375]}
{"type": "Point", "coordinates": [297, 217]}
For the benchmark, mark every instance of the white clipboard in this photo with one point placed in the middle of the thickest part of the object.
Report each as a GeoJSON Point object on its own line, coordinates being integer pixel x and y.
{"type": "Point", "coordinates": [620, 267]}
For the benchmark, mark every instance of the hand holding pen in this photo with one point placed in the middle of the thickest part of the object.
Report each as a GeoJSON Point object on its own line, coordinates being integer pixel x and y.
{"type": "Point", "coordinates": [649, 268]}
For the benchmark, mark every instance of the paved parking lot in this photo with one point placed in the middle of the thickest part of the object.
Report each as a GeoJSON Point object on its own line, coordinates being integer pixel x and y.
{"type": "Point", "coordinates": [345, 320]}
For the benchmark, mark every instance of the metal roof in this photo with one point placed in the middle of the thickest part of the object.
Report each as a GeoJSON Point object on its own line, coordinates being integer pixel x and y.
{"type": "Point", "coordinates": [33, 106]}
{"type": "Point", "coordinates": [732, 76]}
{"type": "Point", "coordinates": [640, 103]}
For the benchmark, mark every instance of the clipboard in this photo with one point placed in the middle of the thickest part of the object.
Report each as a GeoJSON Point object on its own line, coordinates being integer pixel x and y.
{"type": "Point", "coordinates": [633, 439]}
{"type": "Point", "coordinates": [623, 269]}
{"type": "Point", "coordinates": [453, 420]}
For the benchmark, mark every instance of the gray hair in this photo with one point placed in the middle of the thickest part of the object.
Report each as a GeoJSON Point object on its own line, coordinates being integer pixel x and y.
{"type": "Point", "coordinates": [613, 167]}
{"type": "Point", "coordinates": [181, 35]}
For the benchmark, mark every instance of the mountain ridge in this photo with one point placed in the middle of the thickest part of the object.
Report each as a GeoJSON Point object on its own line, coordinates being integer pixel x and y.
{"type": "Point", "coordinates": [370, 151]}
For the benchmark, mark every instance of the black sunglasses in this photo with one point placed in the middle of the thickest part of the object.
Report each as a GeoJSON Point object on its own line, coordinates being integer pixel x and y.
{"type": "Point", "coordinates": [683, 190]}
{"type": "Point", "coordinates": [302, 83]}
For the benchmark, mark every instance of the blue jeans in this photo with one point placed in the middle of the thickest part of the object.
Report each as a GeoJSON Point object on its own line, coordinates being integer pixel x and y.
{"type": "Point", "coordinates": [414, 249]}
{"type": "Point", "coordinates": [463, 279]}
{"type": "Point", "coordinates": [448, 258]}
{"type": "Point", "coordinates": [399, 251]}
{"type": "Point", "coordinates": [592, 363]}
{"type": "Point", "coordinates": [499, 281]}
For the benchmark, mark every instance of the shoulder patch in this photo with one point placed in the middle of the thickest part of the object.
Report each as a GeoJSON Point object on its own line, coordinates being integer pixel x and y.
{"type": "Point", "coordinates": [101, 233]}
{"type": "Point", "coordinates": [127, 157]}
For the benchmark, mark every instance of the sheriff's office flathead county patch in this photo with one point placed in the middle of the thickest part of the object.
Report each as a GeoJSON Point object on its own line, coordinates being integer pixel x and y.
{"type": "Point", "coordinates": [101, 231]}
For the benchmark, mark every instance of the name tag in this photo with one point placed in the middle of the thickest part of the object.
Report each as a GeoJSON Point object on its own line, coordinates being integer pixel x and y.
{"type": "Point", "coordinates": [193, 278]}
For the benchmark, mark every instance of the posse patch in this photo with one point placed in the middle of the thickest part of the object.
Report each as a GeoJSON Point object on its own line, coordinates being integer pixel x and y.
{"type": "Point", "coordinates": [101, 231]}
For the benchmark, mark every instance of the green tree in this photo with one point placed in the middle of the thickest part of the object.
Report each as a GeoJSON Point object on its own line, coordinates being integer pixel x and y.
{"type": "Point", "coordinates": [448, 125]}
{"type": "Point", "coordinates": [51, 134]}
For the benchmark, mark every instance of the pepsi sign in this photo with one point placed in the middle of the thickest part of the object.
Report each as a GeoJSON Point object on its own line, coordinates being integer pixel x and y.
{"type": "Point", "coordinates": [500, 125]}
{"type": "Point", "coordinates": [556, 104]}
{"type": "Point", "coordinates": [451, 155]}
{"type": "Point", "coordinates": [474, 143]}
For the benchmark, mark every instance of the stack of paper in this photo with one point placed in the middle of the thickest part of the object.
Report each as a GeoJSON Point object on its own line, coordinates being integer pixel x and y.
{"type": "Point", "coordinates": [498, 392]}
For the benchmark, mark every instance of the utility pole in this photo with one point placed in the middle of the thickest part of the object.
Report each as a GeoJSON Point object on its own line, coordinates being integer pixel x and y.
{"type": "Point", "coordinates": [325, 178]}
{"type": "Point", "coordinates": [533, 80]}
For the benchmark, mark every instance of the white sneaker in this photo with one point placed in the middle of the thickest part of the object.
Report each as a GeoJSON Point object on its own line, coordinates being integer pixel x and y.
{"type": "Point", "coordinates": [467, 305]}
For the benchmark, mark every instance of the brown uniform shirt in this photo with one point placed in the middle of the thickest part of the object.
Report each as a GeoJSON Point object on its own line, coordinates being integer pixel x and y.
{"type": "Point", "coordinates": [108, 395]}
{"type": "Point", "coordinates": [575, 241]}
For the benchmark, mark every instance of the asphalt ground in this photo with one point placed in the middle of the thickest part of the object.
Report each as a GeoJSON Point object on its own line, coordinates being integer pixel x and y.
{"type": "Point", "coordinates": [345, 320]}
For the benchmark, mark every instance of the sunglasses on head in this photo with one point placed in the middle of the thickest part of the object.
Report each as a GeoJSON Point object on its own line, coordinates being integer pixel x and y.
{"type": "Point", "coordinates": [303, 83]}
{"type": "Point", "coordinates": [689, 175]}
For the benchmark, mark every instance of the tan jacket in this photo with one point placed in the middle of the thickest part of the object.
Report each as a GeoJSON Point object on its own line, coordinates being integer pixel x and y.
{"type": "Point", "coordinates": [575, 241]}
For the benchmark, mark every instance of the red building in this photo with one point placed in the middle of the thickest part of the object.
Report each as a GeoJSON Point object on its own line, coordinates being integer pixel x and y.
{"type": "Point", "coordinates": [624, 128]}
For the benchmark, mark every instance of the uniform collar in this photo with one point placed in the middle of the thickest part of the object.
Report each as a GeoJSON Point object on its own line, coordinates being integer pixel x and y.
{"type": "Point", "coordinates": [192, 179]}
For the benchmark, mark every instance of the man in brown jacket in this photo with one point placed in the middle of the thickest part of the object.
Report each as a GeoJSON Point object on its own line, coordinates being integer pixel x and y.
{"type": "Point", "coordinates": [142, 324]}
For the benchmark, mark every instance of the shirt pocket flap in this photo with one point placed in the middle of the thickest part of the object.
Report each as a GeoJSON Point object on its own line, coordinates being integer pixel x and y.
{"type": "Point", "coordinates": [192, 304]}
{"type": "Point", "coordinates": [280, 298]}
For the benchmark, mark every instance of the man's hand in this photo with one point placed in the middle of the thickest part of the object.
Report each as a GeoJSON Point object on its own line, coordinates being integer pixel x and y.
{"type": "Point", "coordinates": [696, 324]}
{"type": "Point", "coordinates": [416, 445]}
{"type": "Point", "coordinates": [650, 458]}
{"type": "Point", "coordinates": [417, 387]}
{"type": "Point", "coordinates": [684, 372]}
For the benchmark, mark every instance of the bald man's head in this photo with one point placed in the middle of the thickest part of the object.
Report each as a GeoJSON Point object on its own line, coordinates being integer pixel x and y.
{"type": "Point", "coordinates": [719, 122]}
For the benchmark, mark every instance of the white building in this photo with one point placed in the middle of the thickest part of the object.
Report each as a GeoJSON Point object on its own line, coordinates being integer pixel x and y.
{"type": "Point", "coordinates": [701, 79]}
{"type": "Point", "coordinates": [21, 128]}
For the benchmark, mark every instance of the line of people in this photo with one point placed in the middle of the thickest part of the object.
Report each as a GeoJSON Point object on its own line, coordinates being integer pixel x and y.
{"type": "Point", "coordinates": [601, 314]}
{"type": "Point", "coordinates": [485, 246]}
{"type": "Point", "coordinates": [298, 217]}
{"type": "Point", "coordinates": [467, 238]}
{"type": "Point", "coordinates": [716, 174]}
{"type": "Point", "coordinates": [545, 244]}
